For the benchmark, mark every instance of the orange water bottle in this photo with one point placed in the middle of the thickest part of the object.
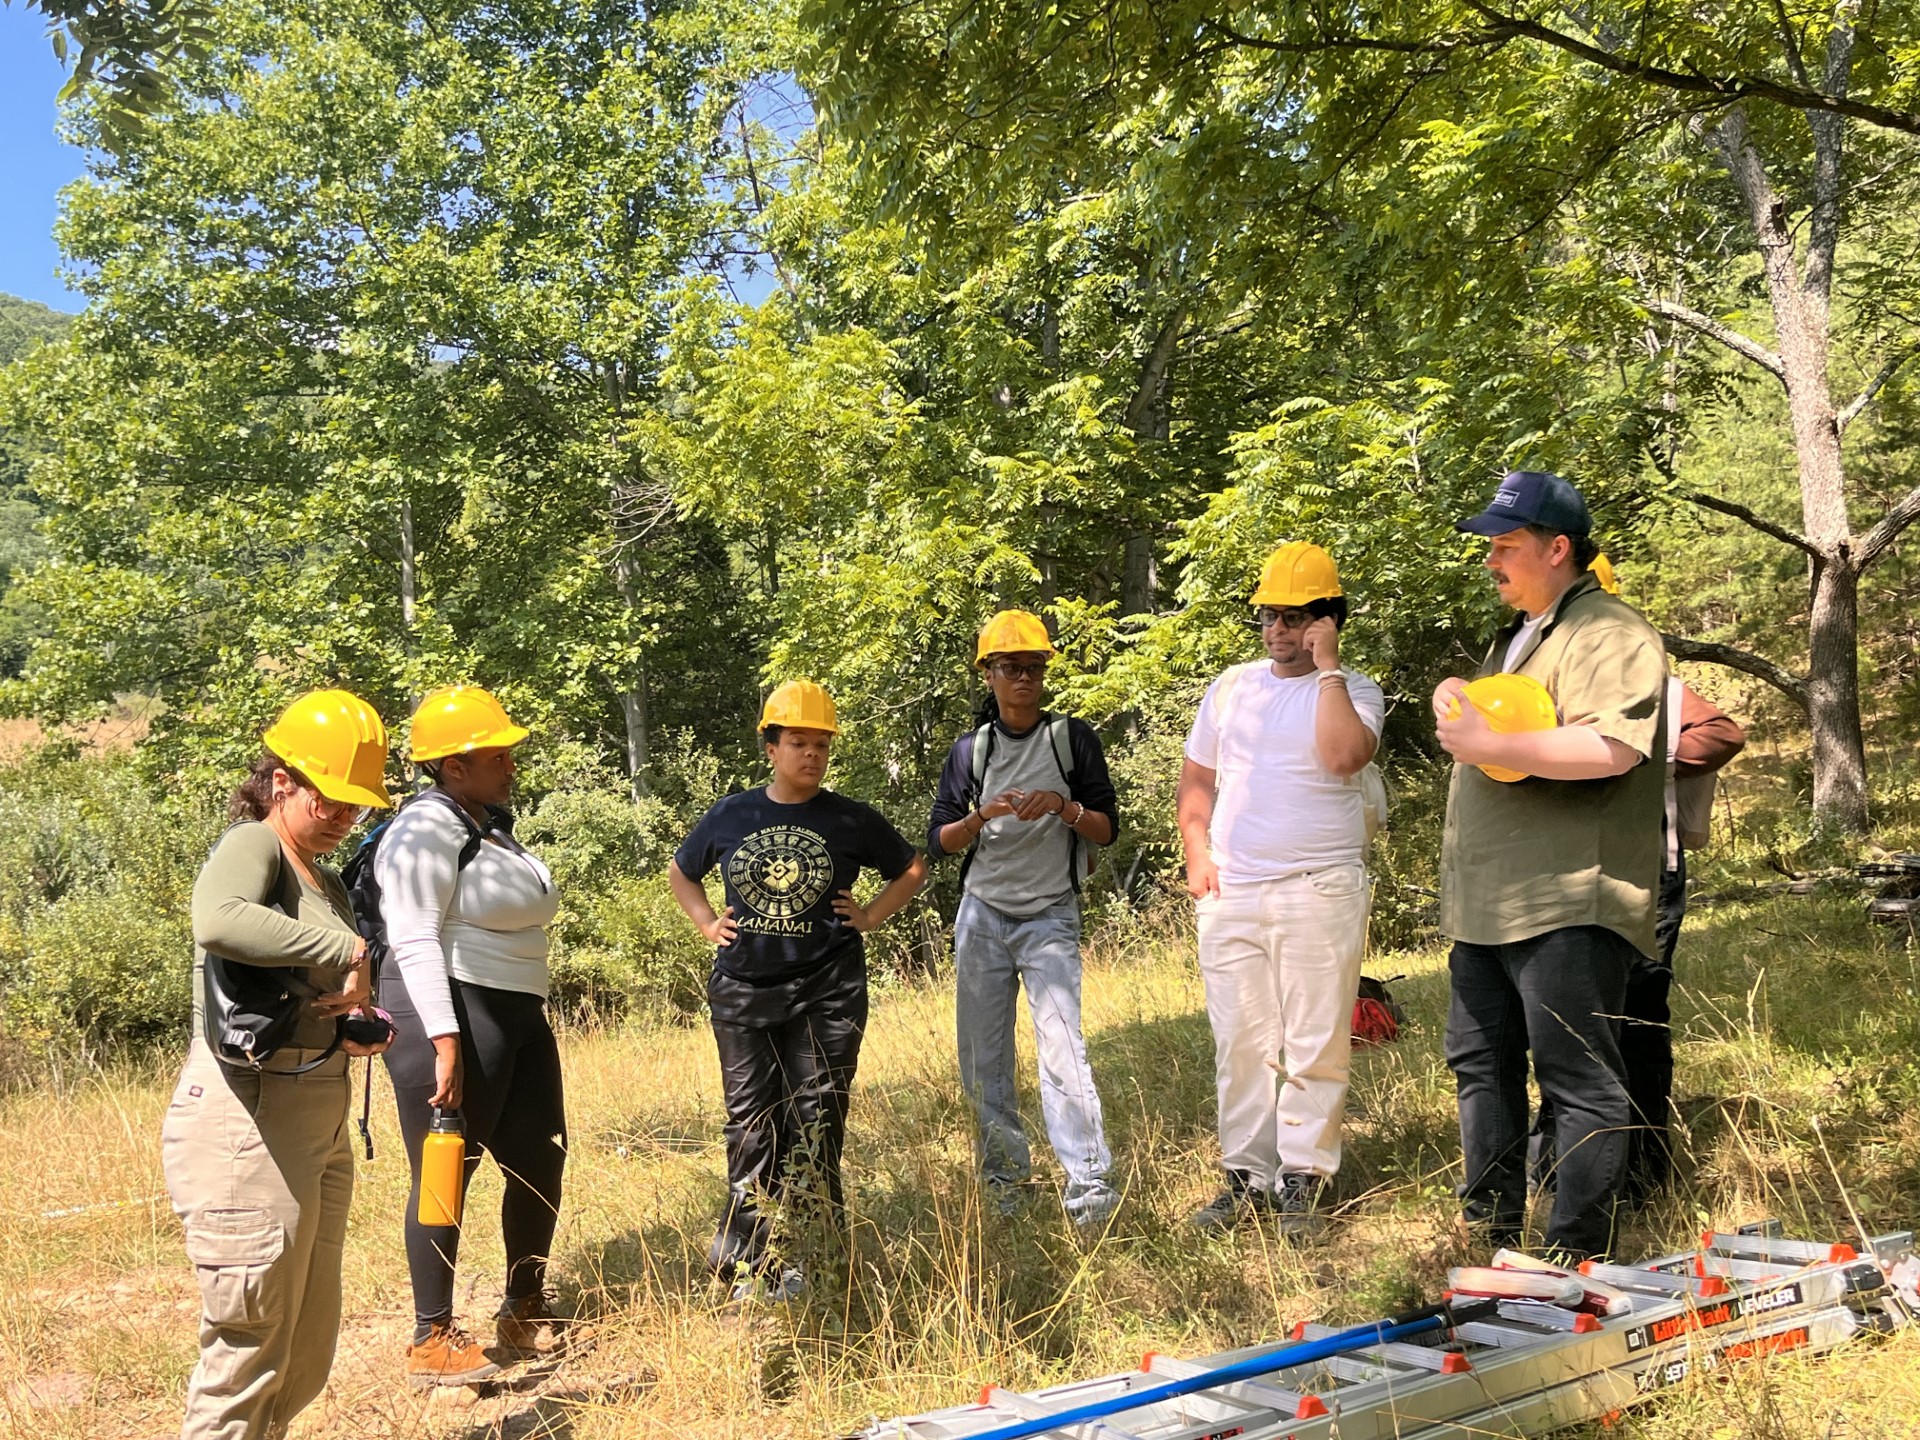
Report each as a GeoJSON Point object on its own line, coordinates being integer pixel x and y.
{"type": "Point", "coordinates": [443, 1163]}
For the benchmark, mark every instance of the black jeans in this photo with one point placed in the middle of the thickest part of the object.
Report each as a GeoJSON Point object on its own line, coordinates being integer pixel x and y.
{"type": "Point", "coordinates": [787, 1058]}
{"type": "Point", "coordinates": [1646, 1052]}
{"type": "Point", "coordinates": [1646, 1044]}
{"type": "Point", "coordinates": [1556, 996]}
{"type": "Point", "coordinates": [514, 1109]}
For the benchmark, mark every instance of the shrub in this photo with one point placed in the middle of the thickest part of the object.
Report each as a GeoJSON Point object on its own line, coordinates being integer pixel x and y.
{"type": "Point", "coordinates": [96, 875]}
{"type": "Point", "coordinates": [621, 944]}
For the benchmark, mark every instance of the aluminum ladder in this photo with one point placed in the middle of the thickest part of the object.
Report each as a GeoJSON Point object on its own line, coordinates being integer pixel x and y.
{"type": "Point", "coordinates": [1527, 1369]}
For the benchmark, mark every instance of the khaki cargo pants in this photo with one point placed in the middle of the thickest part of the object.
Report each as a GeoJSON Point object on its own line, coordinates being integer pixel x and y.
{"type": "Point", "coordinates": [261, 1173]}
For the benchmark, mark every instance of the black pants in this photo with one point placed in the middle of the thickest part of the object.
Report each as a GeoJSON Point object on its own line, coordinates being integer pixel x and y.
{"type": "Point", "coordinates": [1557, 997]}
{"type": "Point", "coordinates": [514, 1110]}
{"type": "Point", "coordinates": [787, 1057]}
{"type": "Point", "coordinates": [1646, 1052]}
{"type": "Point", "coordinates": [1646, 1044]}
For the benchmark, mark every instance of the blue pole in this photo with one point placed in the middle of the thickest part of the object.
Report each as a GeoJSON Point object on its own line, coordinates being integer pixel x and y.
{"type": "Point", "coordinates": [1360, 1337]}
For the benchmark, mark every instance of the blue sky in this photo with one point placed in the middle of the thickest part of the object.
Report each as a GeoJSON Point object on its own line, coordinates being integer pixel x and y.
{"type": "Point", "coordinates": [33, 164]}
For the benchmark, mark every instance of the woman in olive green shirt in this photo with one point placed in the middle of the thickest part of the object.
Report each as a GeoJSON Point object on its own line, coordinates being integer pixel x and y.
{"type": "Point", "coordinates": [256, 1157]}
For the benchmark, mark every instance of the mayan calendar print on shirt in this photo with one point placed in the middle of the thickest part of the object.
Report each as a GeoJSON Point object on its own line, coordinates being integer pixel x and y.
{"type": "Point", "coordinates": [782, 866]}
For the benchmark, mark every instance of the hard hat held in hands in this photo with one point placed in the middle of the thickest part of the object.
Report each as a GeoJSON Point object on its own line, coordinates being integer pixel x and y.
{"type": "Point", "coordinates": [1297, 574]}
{"type": "Point", "coordinates": [458, 719]}
{"type": "Point", "coordinates": [1512, 704]}
{"type": "Point", "coordinates": [337, 741]}
{"type": "Point", "coordinates": [802, 705]}
{"type": "Point", "coordinates": [1013, 632]}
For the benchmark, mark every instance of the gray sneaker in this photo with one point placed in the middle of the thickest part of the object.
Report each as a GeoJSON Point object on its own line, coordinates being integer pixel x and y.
{"type": "Point", "coordinates": [1233, 1206]}
{"type": "Point", "coordinates": [1296, 1200]}
{"type": "Point", "coordinates": [1092, 1217]}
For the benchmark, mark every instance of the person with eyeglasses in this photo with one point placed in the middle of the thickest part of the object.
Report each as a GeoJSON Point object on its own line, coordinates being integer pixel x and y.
{"type": "Point", "coordinates": [1026, 796]}
{"type": "Point", "coordinates": [1272, 813]}
{"type": "Point", "coordinates": [257, 1159]}
{"type": "Point", "coordinates": [466, 909]}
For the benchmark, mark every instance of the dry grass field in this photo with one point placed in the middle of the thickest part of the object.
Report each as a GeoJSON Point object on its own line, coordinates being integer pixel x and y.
{"type": "Point", "coordinates": [1797, 1089]}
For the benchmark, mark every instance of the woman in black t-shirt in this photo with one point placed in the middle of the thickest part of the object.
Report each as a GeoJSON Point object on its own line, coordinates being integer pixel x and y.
{"type": "Point", "coordinates": [788, 993]}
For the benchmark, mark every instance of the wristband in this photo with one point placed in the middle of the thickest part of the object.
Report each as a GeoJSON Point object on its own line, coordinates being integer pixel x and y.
{"type": "Point", "coordinates": [1079, 814]}
{"type": "Point", "coordinates": [1336, 675]}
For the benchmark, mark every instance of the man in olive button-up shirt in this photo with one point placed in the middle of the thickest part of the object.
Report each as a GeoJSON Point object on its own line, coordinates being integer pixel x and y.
{"type": "Point", "coordinates": [1548, 884]}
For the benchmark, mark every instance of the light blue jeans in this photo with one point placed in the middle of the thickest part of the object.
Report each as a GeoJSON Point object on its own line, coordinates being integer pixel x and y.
{"type": "Point", "coordinates": [993, 954]}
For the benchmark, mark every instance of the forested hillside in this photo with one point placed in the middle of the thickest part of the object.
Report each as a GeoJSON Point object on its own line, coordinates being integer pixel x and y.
{"type": "Point", "coordinates": [631, 359]}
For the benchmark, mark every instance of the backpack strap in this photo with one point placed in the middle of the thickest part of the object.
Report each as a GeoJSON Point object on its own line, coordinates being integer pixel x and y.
{"type": "Point", "coordinates": [976, 779]}
{"type": "Point", "coordinates": [476, 837]}
{"type": "Point", "coordinates": [977, 764]}
{"type": "Point", "coordinates": [1061, 739]}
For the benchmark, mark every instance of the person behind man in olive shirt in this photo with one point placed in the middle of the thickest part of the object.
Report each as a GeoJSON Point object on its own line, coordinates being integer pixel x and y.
{"type": "Point", "coordinates": [1548, 883]}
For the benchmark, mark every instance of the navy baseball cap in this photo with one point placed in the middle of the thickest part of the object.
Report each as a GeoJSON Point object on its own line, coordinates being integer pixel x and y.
{"type": "Point", "coordinates": [1531, 497]}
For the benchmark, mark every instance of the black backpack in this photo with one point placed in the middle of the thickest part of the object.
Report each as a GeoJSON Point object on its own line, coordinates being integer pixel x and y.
{"type": "Point", "coordinates": [363, 886]}
{"type": "Point", "coordinates": [1059, 741]}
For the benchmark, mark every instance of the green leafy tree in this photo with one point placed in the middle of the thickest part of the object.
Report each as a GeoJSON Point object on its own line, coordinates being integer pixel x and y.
{"type": "Point", "coordinates": [376, 308]}
{"type": "Point", "coordinates": [123, 49]}
{"type": "Point", "coordinates": [1562, 215]}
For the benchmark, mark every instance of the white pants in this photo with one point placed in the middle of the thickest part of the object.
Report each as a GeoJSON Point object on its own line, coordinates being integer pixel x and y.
{"type": "Point", "coordinates": [1281, 962]}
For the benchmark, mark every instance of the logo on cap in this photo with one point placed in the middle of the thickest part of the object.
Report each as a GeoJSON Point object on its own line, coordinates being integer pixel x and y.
{"type": "Point", "coordinates": [1505, 498]}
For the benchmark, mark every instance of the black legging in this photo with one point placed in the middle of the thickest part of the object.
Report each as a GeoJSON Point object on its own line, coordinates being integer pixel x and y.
{"type": "Point", "coordinates": [787, 1058]}
{"type": "Point", "coordinates": [514, 1110]}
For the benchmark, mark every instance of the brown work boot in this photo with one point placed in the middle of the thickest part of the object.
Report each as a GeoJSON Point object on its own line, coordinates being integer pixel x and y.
{"type": "Point", "coordinates": [527, 1328]}
{"type": "Point", "coordinates": [448, 1356]}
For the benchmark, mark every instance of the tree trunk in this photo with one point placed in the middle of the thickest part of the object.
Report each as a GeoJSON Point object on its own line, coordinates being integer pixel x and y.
{"type": "Point", "coordinates": [633, 700]}
{"type": "Point", "coordinates": [1799, 301]}
{"type": "Point", "coordinates": [1833, 699]}
{"type": "Point", "coordinates": [633, 706]}
{"type": "Point", "coordinates": [1140, 577]}
{"type": "Point", "coordinates": [408, 577]}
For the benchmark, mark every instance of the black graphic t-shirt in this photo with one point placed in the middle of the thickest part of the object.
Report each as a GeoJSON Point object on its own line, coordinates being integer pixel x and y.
{"type": "Point", "coordinates": [782, 866]}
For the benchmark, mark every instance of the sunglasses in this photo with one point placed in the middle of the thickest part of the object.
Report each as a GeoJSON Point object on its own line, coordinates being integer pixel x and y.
{"type": "Point", "coordinates": [1016, 670]}
{"type": "Point", "coordinates": [1290, 618]}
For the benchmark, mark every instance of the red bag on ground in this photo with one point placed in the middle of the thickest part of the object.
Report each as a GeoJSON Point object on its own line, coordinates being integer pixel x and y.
{"type": "Point", "coordinates": [1376, 1015]}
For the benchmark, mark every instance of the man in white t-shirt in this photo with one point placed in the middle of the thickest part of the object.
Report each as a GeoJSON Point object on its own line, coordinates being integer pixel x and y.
{"type": "Point", "coordinates": [1272, 817]}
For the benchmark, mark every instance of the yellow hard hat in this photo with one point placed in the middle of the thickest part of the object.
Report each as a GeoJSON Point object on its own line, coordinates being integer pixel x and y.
{"type": "Point", "coordinates": [1511, 703]}
{"type": "Point", "coordinates": [1013, 632]}
{"type": "Point", "coordinates": [335, 739]}
{"type": "Point", "coordinates": [459, 718]}
{"type": "Point", "coordinates": [802, 705]}
{"type": "Point", "coordinates": [1296, 574]}
{"type": "Point", "coordinates": [1602, 569]}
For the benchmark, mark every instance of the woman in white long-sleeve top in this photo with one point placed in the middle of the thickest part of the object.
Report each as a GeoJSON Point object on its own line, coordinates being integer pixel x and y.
{"type": "Point", "coordinates": [465, 909]}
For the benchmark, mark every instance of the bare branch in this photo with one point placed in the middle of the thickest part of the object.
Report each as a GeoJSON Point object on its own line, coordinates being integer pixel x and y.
{"type": "Point", "coordinates": [1731, 88]}
{"type": "Point", "coordinates": [1743, 345]}
{"type": "Point", "coordinates": [1888, 530]}
{"type": "Point", "coordinates": [1829, 142]}
{"type": "Point", "coordinates": [1153, 372]}
{"type": "Point", "coordinates": [1758, 522]}
{"type": "Point", "coordinates": [1745, 661]}
{"type": "Point", "coordinates": [1865, 398]}
{"type": "Point", "coordinates": [1790, 42]}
